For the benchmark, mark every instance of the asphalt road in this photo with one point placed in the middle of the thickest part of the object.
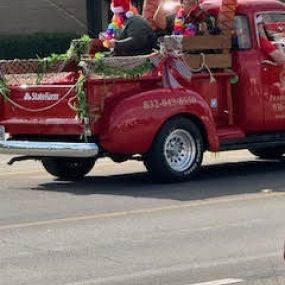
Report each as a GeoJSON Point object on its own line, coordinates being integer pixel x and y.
{"type": "Point", "coordinates": [117, 227]}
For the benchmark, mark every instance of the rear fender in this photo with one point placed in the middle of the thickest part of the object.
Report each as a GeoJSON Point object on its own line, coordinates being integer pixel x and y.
{"type": "Point", "coordinates": [130, 125]}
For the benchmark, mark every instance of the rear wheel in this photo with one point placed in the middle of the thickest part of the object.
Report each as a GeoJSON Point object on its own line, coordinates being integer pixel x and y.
{"type": "Point", "coordinates": [267, 153]}
{"type": "Point", "coordinates": [66, 168]}
{"type": "Point", "coordinates": [177, 152]}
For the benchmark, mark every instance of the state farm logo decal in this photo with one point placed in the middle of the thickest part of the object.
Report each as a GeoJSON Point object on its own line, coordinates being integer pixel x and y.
{"type": "Point", "coordinates": [41, 96]}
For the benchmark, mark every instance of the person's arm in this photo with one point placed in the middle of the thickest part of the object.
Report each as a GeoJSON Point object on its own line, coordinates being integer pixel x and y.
{"type": "Point", "coordinates": [268, 48]}
{"type": "Point", "coordinates": [163, 15]}
{"type": "Point", "coordinates": [278, 56]}
{"type": "Point", "coordinates": [135, 36]}
{"type": "Point", "coordinates": [160, 17]}
{"type": "Point", "coordinates": [131, 42]}
{"type": "Point", "coordinates": [95, 45]}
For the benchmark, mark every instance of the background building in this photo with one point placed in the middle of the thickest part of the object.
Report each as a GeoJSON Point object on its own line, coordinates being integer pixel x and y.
{"type": "Point", "coordinates": [43, 16]}
{"type": "Point", "coordinates": [37, 28]}
{"type": "Point", "coordinates": [54, 16]}
{"type": "Point", "coordinates": [98, 14]}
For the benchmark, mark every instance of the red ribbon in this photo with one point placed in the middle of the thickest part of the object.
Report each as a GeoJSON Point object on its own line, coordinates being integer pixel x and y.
{"type": "Point", "coordinates": [170, 66]}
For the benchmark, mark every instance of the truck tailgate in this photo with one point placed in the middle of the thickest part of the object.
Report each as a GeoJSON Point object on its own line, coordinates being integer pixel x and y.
{"type": "Point", "coordinates": [40, 109]}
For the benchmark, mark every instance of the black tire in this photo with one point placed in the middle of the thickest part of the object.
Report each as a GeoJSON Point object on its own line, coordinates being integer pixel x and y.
{"type": "Point", "coordinates": [267, 153]}
{"type": "Point", "coordinates": [177, 151]}
{"type": "Point", "coordinates": [66, 168]}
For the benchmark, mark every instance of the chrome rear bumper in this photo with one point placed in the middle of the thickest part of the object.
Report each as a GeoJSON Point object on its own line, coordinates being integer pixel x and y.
{"type": "Point", "coordinates": [55, 149]}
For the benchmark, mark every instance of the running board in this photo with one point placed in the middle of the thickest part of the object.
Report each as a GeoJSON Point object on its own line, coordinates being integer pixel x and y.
{"type": "Point", "coordinates": [50, 149]}
{"type": "Point", "coordinates": [254, 141]}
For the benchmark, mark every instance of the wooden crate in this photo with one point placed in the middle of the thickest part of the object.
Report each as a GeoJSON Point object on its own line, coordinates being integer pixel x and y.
{"type": "Point", "coordinates": [216, 50]}
{"type": "Point", "coordinates": [206, 42]}
{"type": "Point", "coordinates": [213, 61]}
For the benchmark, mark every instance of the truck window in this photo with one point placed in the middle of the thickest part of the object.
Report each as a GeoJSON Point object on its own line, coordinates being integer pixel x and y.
{"type": "Point", "coordinates": [274, 24]}
{"type": "Point", "coordinates": [241, 39]}
{"type": "Point", "coordinates": [273, 17]}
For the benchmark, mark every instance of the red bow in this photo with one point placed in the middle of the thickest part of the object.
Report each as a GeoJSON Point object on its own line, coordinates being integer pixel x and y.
{"type": "Point", "coordinates": [170, 66]}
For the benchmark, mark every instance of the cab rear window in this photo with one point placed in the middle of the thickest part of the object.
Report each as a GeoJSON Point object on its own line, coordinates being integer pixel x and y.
{"type": "Point", "coordinates": [241, 39]}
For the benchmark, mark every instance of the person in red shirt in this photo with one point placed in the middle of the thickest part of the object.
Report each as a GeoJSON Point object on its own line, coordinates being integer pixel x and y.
{"type": "Point", "coordinates": [266, 45]}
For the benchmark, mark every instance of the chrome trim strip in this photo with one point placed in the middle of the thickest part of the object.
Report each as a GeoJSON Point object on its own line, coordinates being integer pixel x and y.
{"type": "Point", "coordinates": [55, 149]}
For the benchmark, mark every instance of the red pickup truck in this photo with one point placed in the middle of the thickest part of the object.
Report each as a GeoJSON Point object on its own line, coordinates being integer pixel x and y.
{"type": "Point", "coordinates": [168, 129]}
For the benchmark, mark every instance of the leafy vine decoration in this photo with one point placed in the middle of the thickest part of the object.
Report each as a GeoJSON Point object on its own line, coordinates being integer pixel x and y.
{"type": "Point", "coordinates": [82, 108]}
{"type": "Point", "coordinates": [4, 89]}
{"type": "Point", "coordinates": [100, 67]}
{"type": "Point", "coordinates": [74, 53]}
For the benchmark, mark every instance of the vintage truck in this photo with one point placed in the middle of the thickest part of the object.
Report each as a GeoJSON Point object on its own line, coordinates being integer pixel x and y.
{"type": "Point", "coordinates": [169, 129]}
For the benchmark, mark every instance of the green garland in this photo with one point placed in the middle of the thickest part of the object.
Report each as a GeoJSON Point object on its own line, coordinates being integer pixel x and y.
{"type": "Point", "coordinates": [4, 90]}
{"type": "Point", "coordinates": [234, 79]}
{"type": "Point", "coordinates": [78, 48]}
{"type": "Point", "coordinates": [74, 53]}
{"type": "Point", "coordinates": [82, 109]}
{"type": "Point", "coordinates": [48, 62]}
{"type": "Point", "coordinates": [113, 71]}
{"type": "Point", "coordinates": [107, 71]}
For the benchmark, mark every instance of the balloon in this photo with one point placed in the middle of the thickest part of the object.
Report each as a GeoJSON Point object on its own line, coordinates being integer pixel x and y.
{"type": "Point", "coordinates": [226, 15]}
{"type": "Point", "coordinates": [149, 9]}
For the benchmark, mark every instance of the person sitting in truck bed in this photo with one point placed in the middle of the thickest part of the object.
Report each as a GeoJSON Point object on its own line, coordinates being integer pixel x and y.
{"type": "Point", "coordinates": [266, 44]}
{"type": "Point", "coordinates": [129, 33]}
{"type": "Point", "coordinates": [187, 18]}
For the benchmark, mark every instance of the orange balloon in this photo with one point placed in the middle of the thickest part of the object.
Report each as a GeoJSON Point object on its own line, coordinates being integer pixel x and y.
{"type": "Point", "coordinates": [226, 15]}
{"type": "Point", "coordinates": [149, 9]}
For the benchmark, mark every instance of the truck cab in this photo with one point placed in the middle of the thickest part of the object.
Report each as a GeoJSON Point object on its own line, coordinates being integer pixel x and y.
{"type": "Point", "coordinates": [241, 105]}
{"type": "Point", "coordinates": [259, 95]}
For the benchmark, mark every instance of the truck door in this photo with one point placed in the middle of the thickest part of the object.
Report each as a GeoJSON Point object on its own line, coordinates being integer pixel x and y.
{"type": "Point", "coordinates": [248, 105]}
{"type": "Point", "coordinates": [272, 72]}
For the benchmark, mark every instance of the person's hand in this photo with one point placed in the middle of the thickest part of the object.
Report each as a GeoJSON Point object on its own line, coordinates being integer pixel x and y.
{"type": "Point", "coordinates": [112, 43]}
{"type": "Point", "coordinates": [203, 29]}
{"type": "Point", "coordinates": [102, 37]}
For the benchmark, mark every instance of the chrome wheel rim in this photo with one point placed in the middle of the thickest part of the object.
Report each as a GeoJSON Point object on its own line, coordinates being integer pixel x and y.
{"type": "Point", "coordinates": [180, 150]}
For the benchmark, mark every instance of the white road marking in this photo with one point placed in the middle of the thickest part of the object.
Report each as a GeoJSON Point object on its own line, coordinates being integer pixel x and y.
{"type": "Point", "coordinates": [220, 282]}
{"type": "Point", "coordinates": [145, 274]}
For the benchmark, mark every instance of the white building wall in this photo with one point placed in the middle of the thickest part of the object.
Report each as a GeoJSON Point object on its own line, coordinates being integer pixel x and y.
{"type": "Point", "coordinates": [46, 16]}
